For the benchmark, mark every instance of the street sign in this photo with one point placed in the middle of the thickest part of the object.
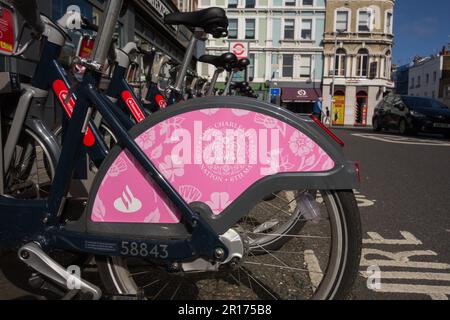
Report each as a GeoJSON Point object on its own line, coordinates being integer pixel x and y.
{"type": "Point", "coordinates": [239, 48]}
{"type": "Point", "coordinates": [275, 91]}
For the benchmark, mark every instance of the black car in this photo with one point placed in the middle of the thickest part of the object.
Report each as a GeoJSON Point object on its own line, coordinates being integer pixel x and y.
{"type": "Point", "coordinates": [411, 115]}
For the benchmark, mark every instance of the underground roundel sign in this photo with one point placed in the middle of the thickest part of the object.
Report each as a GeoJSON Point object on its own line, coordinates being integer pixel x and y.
{"type": "Point", "coordinates": [240, 49]}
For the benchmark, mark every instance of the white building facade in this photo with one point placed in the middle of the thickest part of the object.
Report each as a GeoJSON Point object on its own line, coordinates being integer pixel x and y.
{"type": "Point", "coordinates": [425, 76]}
{"type": "Point", "coordinates": [286, 46]}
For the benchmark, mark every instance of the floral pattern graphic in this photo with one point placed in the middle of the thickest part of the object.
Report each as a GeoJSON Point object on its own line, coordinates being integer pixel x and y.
{"type": "Point", "coordinates": [300, 144]}
{"type": "Point", "coordinates": [146, 140]}
{"type": "Point", "coordinates": [117, 167]}
{"type": "Point", "coordinates": [278, 147]}
{"type": "Point", "coordinates": [171, 169]}
{"type": "Point", "coordinates": [219, 201]}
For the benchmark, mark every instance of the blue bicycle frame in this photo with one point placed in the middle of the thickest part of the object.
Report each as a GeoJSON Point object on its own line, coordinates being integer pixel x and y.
{"type": "Point", "coordinates": [42, 221]}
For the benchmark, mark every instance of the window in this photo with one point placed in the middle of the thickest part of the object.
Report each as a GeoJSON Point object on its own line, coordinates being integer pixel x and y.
{"type": "Point", "coordinates": [308, 2]}
{"type": "Point", "coordinates": [362, 60]}
{"type": "Point", "coordinates": [428, 78]}
{"type": "Point", "coordinates": [249, 28]}
{"type": "Point", "coordinates": [434, 76]}
{"type": "Point", "coordinates": [418, 82]}
{"type": "Point", "coordinates": [342, 21]}
{"type": "Point", "coordinates": [389, 24]}
{"type": "Point", "coordinates": [306, 29]}
{"type": "Point", "coordinates": [289, 26]}
{"type": "Point", "coordinates": [339, 68]}
{"type": "Point", "coordinates": [305, 66]}
{"type": "Point", "coordinates": [251, 66]}
{"type": "Point", "coordinates": [412, 83]}
{"type": "Point", "coordinates": [250, 3]}
{"type": "Point", "coordinates": [233, 3]}
{"type": "Point", "coordinates": [288, 65]}
{"type": "Point", "coordinates": [364, 21]}
{"type": "Point", "coordinates": [289, 3]}
{"type": "Point", "coordinates": [232, 28]}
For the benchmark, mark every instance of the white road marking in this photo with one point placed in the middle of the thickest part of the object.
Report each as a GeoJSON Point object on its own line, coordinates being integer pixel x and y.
{"type": "Point", "coordinates": [401, 259]}
{"type": "Point", "coordinates": [438, 296]}
{"type": "Point", "coordinates": [412, 275]}
{"type": "Point", "coordinates": [408, 239]}
{"type": "Point", "coordinates": [290, 196]}
{"type": "Point", "coordinates": [314, 270]}
{"type": "Point", "coordinates": [432, 291]}
{"type": "Point", "coordinates": [409, 269]}
{"type": "Point", "coordinates": [402, 140]}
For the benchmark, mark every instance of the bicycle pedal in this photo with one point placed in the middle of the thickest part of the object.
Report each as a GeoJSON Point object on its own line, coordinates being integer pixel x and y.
{"type": "Point", "coordinates": [32, 255]}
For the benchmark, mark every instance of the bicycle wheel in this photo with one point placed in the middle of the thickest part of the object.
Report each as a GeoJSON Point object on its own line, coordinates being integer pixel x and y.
{"type": "Point", "coordinates": [318, 262]}
{"type": "Point", "coordinates": [32, 168]}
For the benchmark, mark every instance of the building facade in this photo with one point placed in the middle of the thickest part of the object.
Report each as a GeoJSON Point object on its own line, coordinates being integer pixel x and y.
{"type": "Point", "coordinates": [357, 66]}
{"type": "Point", "coordinates": [285, 39]}
{"type": "Point", "coordinates": [401, 79]}
{"type": "Point", "coordinates": [430, 77]}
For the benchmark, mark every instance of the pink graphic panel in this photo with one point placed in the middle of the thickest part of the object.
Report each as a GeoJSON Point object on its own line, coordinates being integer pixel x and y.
{"type": "Point", "coordinates": [212, 156]}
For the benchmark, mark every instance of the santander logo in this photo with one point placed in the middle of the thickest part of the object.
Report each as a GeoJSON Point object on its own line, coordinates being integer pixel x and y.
{"type": "Point", "coordinates": [61, 91]}
{"type": "Point", "coordinates": [133, 106]}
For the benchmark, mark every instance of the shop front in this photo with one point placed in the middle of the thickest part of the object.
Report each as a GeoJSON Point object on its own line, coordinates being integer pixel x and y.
{"type": "Point", "coordinates": [300, 100]}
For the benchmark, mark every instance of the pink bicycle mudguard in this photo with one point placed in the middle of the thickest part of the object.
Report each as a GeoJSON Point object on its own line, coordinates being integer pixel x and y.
{"type": "Point", "coordinates": [211, 155]}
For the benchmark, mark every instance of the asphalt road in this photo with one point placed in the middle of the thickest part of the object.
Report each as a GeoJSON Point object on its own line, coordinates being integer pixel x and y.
{"type": "Point", "coordinates": [406, 184]}
{"type": "Point", "coordinates": [404, 202]}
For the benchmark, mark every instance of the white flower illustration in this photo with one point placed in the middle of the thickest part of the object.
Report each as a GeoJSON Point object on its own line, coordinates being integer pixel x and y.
{"type": "Point", "coordinates": [190, 193]}
{"type": "Point", "coordinates": [210, 112]}
{"type": "Point", "coordinates": [168, 126]}
{"type": "Point", "coordinates": [240, 112]}
{"type": "Point", "coordinates": [146, 140]}
{"type": "Point", "coordinates": [171, 169]}
{"type": "Point", "coordinates": [219, 201]}
{"type": "Point", "coordinates": [117, 167]}
{"type": "Point", "coordinates": [300, 144]}
{"type": "Point", "coordinates": [153, 217]}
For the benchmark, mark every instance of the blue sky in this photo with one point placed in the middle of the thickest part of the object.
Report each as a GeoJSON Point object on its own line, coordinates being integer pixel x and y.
{"type": "Point", "coordinates": [420, 27]}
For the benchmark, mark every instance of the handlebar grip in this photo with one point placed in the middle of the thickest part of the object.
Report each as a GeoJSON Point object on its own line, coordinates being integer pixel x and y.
{"type": "Point", "coordinates": [30, 12]}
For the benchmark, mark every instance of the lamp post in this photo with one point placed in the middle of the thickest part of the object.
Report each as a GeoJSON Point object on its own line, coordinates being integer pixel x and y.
{"type": "Point", "coordinates": [337, 32]}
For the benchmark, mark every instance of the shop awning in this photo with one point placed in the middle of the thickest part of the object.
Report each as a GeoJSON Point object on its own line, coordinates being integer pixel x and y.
{"type": "Point", "coordinates": [300, 94]}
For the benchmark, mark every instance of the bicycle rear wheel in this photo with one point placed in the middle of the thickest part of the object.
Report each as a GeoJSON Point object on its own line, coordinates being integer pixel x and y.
{"type": "Point", "coordinates": [318, 261]}
{"type": "Point", "coordinates": [32, 167]}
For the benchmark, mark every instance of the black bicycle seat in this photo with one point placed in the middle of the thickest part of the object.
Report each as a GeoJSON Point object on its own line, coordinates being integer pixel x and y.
{"type": "Point", "coordinates": [242, 64]}
{"type": "Point", "coordinates": [239, 65]}
{"type": "Point", "coordinates": [212, 20]}
{"type": "Point", "coordinates": [223, 61]}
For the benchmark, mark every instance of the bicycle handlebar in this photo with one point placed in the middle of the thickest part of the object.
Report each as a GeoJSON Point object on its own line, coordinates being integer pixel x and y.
{"type": "Point", "coordinates": [30, 12]}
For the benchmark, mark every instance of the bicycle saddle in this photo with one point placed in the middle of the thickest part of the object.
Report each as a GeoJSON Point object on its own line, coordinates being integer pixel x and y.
{"type": "Point", "coordinates": [239, 65]}
{"type": "Point", "coordinates": [212, 20]}
{"type": "Point", "coordinates": [223, 61]}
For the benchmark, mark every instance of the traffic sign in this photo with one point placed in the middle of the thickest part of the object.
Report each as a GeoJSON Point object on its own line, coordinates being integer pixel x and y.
{"type": "Point", "coordinates": [275, 91]}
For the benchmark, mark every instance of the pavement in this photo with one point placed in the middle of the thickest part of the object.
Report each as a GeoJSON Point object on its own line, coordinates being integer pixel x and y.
{"type": "Point", "coordinates": [404, 202]}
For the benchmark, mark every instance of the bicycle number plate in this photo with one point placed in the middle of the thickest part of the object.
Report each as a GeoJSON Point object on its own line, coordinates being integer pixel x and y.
{"type": "Point", "coordinates": [8, 29]}
{"type": "Point", "coordinates": [144, 250]}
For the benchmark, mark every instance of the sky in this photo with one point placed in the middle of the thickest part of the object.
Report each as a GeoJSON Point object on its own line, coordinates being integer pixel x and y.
{"type": "Point", "coordinates": [420, 28]}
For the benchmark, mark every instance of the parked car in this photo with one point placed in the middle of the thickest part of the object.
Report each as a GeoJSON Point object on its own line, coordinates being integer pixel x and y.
{"type": "Point", "coordinates": [411, 115]}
